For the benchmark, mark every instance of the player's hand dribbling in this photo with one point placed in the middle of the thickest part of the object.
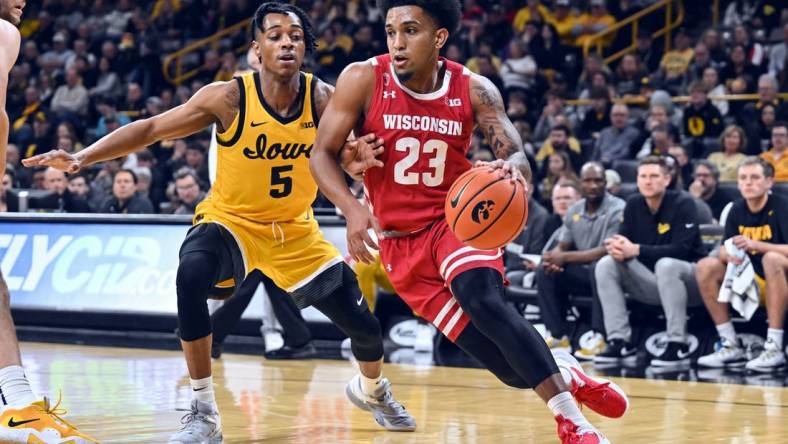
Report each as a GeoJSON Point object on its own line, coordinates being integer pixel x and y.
{"type": "Point", "coordinates": [361, 154]}
{"type": "Point", "coordinates": [359, 221]}
{"type": "Point", "coordinates": [58, 159]}
{"type": "Point", "coordinates": [506, 169]}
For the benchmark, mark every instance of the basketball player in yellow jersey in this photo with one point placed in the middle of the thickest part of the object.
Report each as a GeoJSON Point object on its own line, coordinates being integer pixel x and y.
{"type": "Point", "coordinates": [258, 214]}
{"type": "Point", "coordinates": [23, 416]}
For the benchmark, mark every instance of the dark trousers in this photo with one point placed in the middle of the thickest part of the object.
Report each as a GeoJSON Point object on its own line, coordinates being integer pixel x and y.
{"type": "Point", "coordinates": [296, 332]}
{"type": "Point", "coordinates": [554, 290]}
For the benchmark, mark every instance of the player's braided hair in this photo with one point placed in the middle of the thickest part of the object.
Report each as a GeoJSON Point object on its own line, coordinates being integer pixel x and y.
{"type": "Point", "coordinates": [310, 41]}
{"type": "Point", "coordinates": [446, 13]}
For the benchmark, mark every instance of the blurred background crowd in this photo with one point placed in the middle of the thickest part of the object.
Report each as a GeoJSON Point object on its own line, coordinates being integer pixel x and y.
{"type": "Point", "coordinates": [89, 67]}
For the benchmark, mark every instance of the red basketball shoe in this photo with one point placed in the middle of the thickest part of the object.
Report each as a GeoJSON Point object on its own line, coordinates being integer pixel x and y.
{"type": "Point", "coordinates": [600, 395]}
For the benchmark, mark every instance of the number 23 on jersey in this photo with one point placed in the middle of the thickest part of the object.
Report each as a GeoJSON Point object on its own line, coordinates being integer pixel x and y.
{"type": "Point", "coordinates": [434, 148]}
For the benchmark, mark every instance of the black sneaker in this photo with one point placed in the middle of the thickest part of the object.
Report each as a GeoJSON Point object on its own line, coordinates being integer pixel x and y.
{"type": "Point", "coordinates": [617, 351]}
{"type": "Point", "coordinates": [675, 354]}
{"type": "Point", "coordinates": [306, 351]}
{"type": "Point", "coordinates": [216, 350]}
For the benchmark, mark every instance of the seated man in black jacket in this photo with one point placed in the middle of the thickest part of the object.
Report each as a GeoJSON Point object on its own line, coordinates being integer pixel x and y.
{"type": "Point", "coordinates": [55, 181]}
{"type": "Point", "coordinates": [652, 259]}
{"type": "Point", "coordinates": [124, 199]}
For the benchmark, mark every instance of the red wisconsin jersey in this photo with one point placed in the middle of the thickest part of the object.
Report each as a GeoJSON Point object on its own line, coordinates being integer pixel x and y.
{"type": "Point", "coordinates": [426, 139]}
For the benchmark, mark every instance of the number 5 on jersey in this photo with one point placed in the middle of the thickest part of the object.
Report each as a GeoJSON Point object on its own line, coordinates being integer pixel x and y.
{"type": "Point", "coordinates": [413, 148]}
{"type": "Point", "coordinates": [281, 186]}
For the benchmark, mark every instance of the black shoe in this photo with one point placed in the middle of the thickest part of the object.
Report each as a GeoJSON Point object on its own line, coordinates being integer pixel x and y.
{"type": "Point", "coordinates": [216, 350]}
{"type": "Point", "coordinates": [617, 352]}
{"type": "Point", "coordinates": [306, 351]}
{"type": "Point", "coordinates": [675, 354]}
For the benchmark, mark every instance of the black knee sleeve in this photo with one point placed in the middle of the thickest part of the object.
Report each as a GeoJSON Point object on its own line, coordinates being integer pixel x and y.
{"type": "Point", "coordinates": [480, 294]}
{"type": "Point", "coordinates": [195, 278]}
{"type": "Point", "coordinates": [478, 346]}
{"type": "Point", "coordinates": [348, 310]}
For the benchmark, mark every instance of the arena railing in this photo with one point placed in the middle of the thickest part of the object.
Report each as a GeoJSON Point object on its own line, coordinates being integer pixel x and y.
{"type": "Point", "coordinates": [175, 60]}
{"type": "Point", "coordinates": [597, 41]}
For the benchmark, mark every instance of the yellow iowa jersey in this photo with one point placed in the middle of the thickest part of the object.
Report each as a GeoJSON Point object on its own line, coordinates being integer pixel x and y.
{"type": "Point", "coordinates": [262, 159]}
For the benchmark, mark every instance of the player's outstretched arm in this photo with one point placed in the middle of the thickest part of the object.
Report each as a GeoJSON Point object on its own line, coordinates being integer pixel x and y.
{"type": "Point", "coordinates": [339, 118]}
{"type": "Point", "coordinates": [9, 50]}
{"type": "Point", "coordinates": [501, 134]}
{"type": "Point", "coordinates": [203, 109]}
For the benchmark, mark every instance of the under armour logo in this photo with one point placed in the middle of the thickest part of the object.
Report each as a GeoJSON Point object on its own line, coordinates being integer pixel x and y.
{"type": "Point", "coordinates": [389, 94]}
{"type": "Point", "coordinates": [388, 267]}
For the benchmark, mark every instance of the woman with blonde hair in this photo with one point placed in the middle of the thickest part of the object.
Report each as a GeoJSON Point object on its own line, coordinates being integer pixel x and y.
{"type": "Point", "coordinates": [733, 143]}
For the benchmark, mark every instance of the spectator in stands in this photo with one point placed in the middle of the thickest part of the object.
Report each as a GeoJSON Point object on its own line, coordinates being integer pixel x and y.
{"type": "Point", "coordinates": [109, 115]}
{"type": "Point", "coordinates": [679, 159]}
{"type": "Point", "coordinates": [596, 20]}
{"type": "Point", "coordinates": [558, 168]}
{"type": "Point", "coordinates": [652, 259]}
{"type": "Point", "coordinates": [78, 186]}
{"type": "Point", "coordinates": [675, 62]}
{"type": "Point", "coordinates": [187, 187]}
{"type": "Point", "coordinates": [124, 199]}
{"type": "Point", "coordinates": [158, 182]}
{"type": "Point", "coordinates": [329, 56]}
{"type": "Point", "coordinates": [534, 10]}
{"type": "Point", "coordinates": [365, 46]}
{"type": "Point", "coordinates": [55, 181]}
{"type": "Point", "coordinates": [134, 105]}
{"type": "Point", "coordinates": [486, 68]}
{"type": "Point", "coordinates": [778, 55]}
{"type": "Point", "coordinates": [628, 76]}
{"type": "Point", "coordinates": [564, 21]}
{"type": "Point", "coordinates": [763, 136]}
{"type": "Point", "coordinates": [711, 79]}
{"type": "Point", "coordinates": [739, 67]}
{"type": "Point", "coordinates": [71, 98]}
{"type": "Point", "coordinates": [560, 141]}
{"type": "Point", "coordinates": [733, 143]}
{"type": "Point", "coordinates": [615, 141]}
{"type": "Point", "coordinates": [60, 53]}
{"type": "Point", "coordinates": [778, 155]}
{"type": "Point", "coordinates": [657, 144]}
{"type": "Point", "coordinates": [568, 268]}
{"type": "Point", "coordinates": [750, 115]}
{"type": "Point", "coordinates": [597, 117]}
{"type": "Point", "coordinates": [701, 120]}
{"type": "Point", "coordinates": [555, 106]}
{"type": "Point", "coordinates": [517, 110]}
{"type": "Point", "coordinates": [195, 159]}
{"type": "Point", "coordinates": [754, 50]}
{"type": "Point", "coordinates": [758, 225]}
{"type": "Point", "coordinates": [42, 135]}
{"type": "Point", "coordinates": [613, 180]}
{"type": "Point", "coordinates": [519, 69]}
{"type": "Point", "coordinates": [646, 51]}
{"type": "Point", "coordinates": [707, 177]}
{"type": "Point", "coordinates": [548, 49]}
{"type": "Point", "coordinates": [700, 61]}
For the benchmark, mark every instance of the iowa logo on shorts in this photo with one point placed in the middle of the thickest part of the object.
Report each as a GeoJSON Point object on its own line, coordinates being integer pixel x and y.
{"type": "Point", "coordinates": [482, 210]}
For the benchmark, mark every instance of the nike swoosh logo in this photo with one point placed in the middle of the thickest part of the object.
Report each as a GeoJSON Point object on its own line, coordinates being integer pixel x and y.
{"type": "Point", "coordinates": [12, 423]}
{"type": "Point", "coordinates": [689, 225]}
{"type": "Point", "coordinates": [682, 355]}
{"type": "Point", "coordinates": [360, 300]}
{"type": "Point", "coordinates": [627, 351]}
{"type": "Point", "coordinates": [201, 388]}
{"type": "Point", "coordinates": [256, 124]}
{"type": "Point", "coordinates": [456, 198]}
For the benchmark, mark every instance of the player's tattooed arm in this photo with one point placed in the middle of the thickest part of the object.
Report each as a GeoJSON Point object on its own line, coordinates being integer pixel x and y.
{"type": "Point", "coordinates": [498, 130]}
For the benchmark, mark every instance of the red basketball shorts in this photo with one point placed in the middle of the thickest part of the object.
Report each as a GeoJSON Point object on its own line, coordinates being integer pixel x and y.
{"type": "Point", "coordinates": [422, 266]}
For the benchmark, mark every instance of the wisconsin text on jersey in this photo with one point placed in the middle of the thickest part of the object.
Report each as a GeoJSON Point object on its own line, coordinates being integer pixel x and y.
{"type": "Point", "coordinates": [422, 123]}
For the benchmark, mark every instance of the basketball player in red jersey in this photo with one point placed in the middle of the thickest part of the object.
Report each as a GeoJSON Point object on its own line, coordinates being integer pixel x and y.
{"type": "Point", "coordinates": [425, 107]}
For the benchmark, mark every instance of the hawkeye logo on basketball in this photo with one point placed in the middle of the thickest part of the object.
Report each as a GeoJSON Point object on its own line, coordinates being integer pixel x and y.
{"type": "Point", "coordinates": [277, 150]}
{"type": "Point", "coordinates": [762, 233]}
{"type": "Point", "coordinates": [482, 210]}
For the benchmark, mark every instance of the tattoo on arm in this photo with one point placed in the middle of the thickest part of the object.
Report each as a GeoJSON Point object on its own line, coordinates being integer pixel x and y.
{"type": "Point", "coordinates": [499, 131]}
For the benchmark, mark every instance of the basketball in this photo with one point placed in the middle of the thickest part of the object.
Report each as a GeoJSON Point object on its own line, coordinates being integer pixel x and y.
{"type": "Point", "coordinates": [484, 210]}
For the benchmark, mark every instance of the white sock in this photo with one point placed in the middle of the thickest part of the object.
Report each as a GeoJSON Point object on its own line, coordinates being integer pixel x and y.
{"type": "Point", "coordinates": [564, 404]}
{"type": "Point", "coordinates": [776, 335]}
{"type": "Point", "coordinates": [202, 390]}
{"type": "Point", "coordinates": [370, 385]}
{"type": "Point", "coordinates": [567, 375]}
{"type": "Point", "coordinates": [727, 331]}
{"type": "Point", "coordinates": [15, 388]}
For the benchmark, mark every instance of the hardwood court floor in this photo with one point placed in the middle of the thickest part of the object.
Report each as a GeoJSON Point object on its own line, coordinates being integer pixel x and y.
{"type": "Point", "coordinates": [130, 396]}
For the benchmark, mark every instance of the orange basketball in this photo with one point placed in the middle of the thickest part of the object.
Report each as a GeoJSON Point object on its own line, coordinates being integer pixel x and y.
{"type": "Point", "coordinates": [485, 211]}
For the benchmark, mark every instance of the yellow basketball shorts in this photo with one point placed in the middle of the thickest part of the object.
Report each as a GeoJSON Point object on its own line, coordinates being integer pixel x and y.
{"type": "Point", "coordinates": [292, 253]}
